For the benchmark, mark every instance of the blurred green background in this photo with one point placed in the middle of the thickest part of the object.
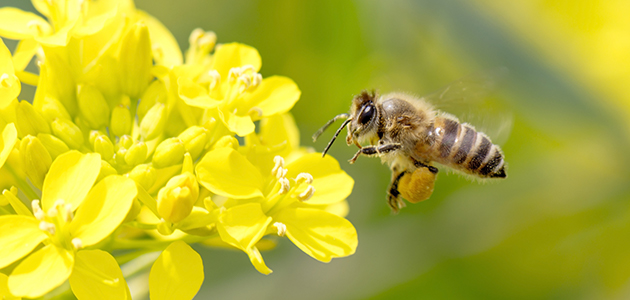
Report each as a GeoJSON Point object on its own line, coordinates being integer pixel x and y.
{"type": "Point", "coordinates": [557, 228]}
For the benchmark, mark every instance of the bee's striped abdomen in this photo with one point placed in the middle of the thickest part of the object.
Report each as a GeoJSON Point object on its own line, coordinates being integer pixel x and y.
{"type": "Point", "coordinates": [460, 147]}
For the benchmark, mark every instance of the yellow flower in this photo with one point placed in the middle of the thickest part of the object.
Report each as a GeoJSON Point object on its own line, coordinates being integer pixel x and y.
{"type": "Point", "coordinates": [299, 199]}
{"type": "Point", "coordinates": [65, 18]}
{"type": "Point", "coordinates": [233, 85]}
{"type": "Point", "coordinates": [68, 188]}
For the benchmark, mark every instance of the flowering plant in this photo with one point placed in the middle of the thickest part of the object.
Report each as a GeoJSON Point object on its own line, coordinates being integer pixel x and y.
{"type": "Point", "coordinates": [130, 147]}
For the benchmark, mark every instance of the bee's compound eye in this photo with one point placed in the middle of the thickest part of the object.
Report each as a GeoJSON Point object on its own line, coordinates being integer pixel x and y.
{"type": "Point", "coordinates": [367, 114]}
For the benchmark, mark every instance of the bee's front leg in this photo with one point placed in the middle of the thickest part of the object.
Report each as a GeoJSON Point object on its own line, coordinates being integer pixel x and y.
{"type": "Point", "coordinates": [375, 150]}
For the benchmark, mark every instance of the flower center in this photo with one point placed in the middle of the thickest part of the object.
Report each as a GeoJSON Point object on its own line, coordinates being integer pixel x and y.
{"type": "Point", "coordinates": [54, 222]}
{"type": "Point", "coordinates": [287, 190]}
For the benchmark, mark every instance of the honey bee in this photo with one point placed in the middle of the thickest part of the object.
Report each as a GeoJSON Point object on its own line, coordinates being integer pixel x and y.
{"type": "Point", "coordinates": [409, 134]}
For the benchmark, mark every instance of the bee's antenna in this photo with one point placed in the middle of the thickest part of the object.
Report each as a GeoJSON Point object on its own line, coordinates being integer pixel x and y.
{"type": "Point", "coordinates": [336, 134]}
{"type": "Point", "coordinates": [321, 130]}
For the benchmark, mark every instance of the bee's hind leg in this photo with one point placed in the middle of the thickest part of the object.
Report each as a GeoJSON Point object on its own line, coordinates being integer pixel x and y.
{"type": "Point", "coordinates": [375, 150]}
{"type": "Point", "coordinates": [394, 200]}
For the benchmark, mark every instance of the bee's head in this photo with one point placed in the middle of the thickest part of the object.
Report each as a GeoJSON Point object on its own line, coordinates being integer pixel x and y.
{"type": "Point", "coordinates": [364, 117]}
{"type": "Point", "coordinates": [361, 121]}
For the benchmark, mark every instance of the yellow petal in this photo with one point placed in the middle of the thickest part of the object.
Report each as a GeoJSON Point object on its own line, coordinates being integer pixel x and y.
{"type": "Point", "coordinates": [242, 226]}
{"type": "Point", "coordinates": [70, 178]}
{"type": "Point", "coordinates": [177, 274]}
{"type": "Point", "coordinates": [20, 235]}
{"type": "Point", "coordinates": [319, 234]}
{"type": "Point", "coordinates": [194, 94]}
{"type": "Point", "coordinates": [24, 53]}
{"type": "Point", "coordinates": [257, 261]}
{"type": "Point", "coordinates": [96, 275]}
{"type": "Point", "coordinates": [41, 272]}
{"type": "Point", "coordinates": [9, 84]}
{"type": "Point", "coordinates": [233, 55]}
{"type": "Point", "coordinates": [9, 138]}
{"type": "Point", "coordinates": [5, 294]}
{"type": "Point", "coordinates": [226, 172]}
{"type": "Point", "coordinates": [98, 14]}
{"type": "Point", "coordinates": [279, 129]}
{"type": "Point", "coordinates": [16, 24]}
{"type": "Point", "coordinates": [276, 94]}
{"type": "Point", "coordinates": [330, 182]}
{"type": "Point", "coordinates": [104, 208]}
{"type": "Point", "coordinates": [162, 40]}
{"type": "Point", "coordinates": [241, 125]}
{"type": "Point", "coordinates": [61, 37]}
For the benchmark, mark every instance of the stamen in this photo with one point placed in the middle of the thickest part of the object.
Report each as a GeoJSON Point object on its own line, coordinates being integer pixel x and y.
{"type": "Point", "coordinates": [304, 177]}
{"type": "Point", "coordinates": [52, 212]}
{"type": "Point", "coordinates": [285, 186]}
{"type": "Point", "coordinates": [158, 52]}
{"type": "Point", "coordinates": [307, 194]}
{"type": "Point", "coordinates": [281, 173]}
{"type": "Point", "coordinates": [255, 112]}
{"type": "Point", "coordinates": [279, 163]}
{"type": "Point", "coordinates": [246, 68]}
{"type": "Point", "coordinates": [4, 80]}
{"type": "Point", "coordinates": [256, 80]}
{"type": "Point", "coordinates": [207, 40]}
{"type": "Point", "coordinates": [282, 229]}
{"type": "Point", "coordinates": [37, 210]}
{"type": "Point", "coordinates": [195, 35]}
{"type": "Point", "coordinates": [215, 78]}
{"type": "Point", "coordinates": [35, 24]}
{"type": "Point", "coordinates": [245, 83]}
{"type": "Point", "coordinates": [233, 74]}
{"type": "Point", "coordinates": [47, 226]}
{"type": "Point", "coordinates": [68, 216]}
{"type": "Point", "coordinates": [76, 242]}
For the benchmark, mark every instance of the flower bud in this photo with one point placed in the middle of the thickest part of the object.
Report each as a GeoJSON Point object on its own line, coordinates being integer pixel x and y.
{"type": "Point", "coordinates": [125, 141]}
{"type": "Point", "coordinates": [54, 145]}
{"type": "Point", "coordinates": [176, 199]}
{"type": "Point", "coordinates": [35, 159]}
{"type": "Point", "coordinates": [168, 153]}
{"type": "Point", "coordinates": [58, 81]}
{"type": "Point", "coordinates": [226, 141]}
{"type": "Point", "coordinates": [103, 146]}
{"type": "Point", "coordinates": [136, 207]}
{"type": "Point", "coordinates": [29, 120]}
{"type": "Point", "coordinates": [155, 93]}
{"type": "Point", "coordinates": [144, 175]}
{"type": "Point", "coordinates": [135, 60]}
{"type": "Point", "coordinates": [52, 109]}
{"type": "Point", "coordinates": [93, 106]}
{"type": "Point", "coordinates": [195, 139]}
{"type": "Point", "coordinates": [136, 154]}
{"type": "Point", "coordinates": [106, 170]}
{"type": "Point", "coordinates": [121, 120]}
{"type": "Point", "coordinates": [119, 158]}
{"type": "Point", "coordinates": [68, 132]}
{"type": "Point", "coordinates": [152, 124]}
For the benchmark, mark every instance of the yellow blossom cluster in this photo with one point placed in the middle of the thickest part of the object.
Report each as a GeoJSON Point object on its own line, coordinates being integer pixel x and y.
{"type": "Point", "coordinates": [130, 147]}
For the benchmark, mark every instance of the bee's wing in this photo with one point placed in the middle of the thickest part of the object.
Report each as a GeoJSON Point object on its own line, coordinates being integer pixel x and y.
{"type": "Point", "coordinates": [470, 100]}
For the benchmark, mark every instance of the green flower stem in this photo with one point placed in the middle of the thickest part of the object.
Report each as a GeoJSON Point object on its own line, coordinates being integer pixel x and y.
{"type": "Point", "coordinates": [142, 226]}
{"type": "Point", "coordinates": [155, 245]}
{"type": "Point", "coordinates": [22, 184]}
{"type": "Point", "coordinates": [147, 200]}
